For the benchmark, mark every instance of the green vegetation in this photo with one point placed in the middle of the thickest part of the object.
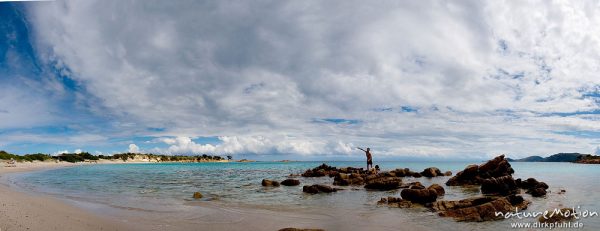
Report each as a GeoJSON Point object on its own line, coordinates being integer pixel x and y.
{"type": "Point", "coordinates": [29, 157]}
{"type": "Point", "coordinates": [83, 156]}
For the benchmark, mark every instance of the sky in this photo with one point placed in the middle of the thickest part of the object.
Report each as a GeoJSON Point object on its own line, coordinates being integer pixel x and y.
{"type": "Point", "coordinates": [303, 80]}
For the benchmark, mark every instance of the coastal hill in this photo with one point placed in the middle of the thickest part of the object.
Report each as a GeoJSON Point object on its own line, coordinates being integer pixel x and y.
{"type": "Point", "coordinates": [562, 157]}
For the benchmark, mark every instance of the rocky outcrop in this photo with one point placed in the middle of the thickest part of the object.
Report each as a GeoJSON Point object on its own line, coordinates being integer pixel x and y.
{"type": "Point", "coordinates": [440, 191]}
{"type": "Point", "coordinates": [326, 170]}
{"type": "Point", "coordinates": [395, 202]}
{"type": "Point", "coordinates": [269, 183]}
{"type": "Point", "coordinates": [379, 182]}
{"type": "Point", "coordinates": [318, 188]}
{"type": "Point", "coordinates": [479, 208]}
{"type": "Point", "coordinates": [344, 179]}
{"type": "Point", "coordinates": [448, 173]}
{"type": "Point", "coordinates": [474, 174]}
{"type": "Point", "coordinates": [533, 187]}
{"type": "Point", "coordinates": [290, 182]}
{"type": "Point", "coordinates": [420, 196]}
{"type": "Point", "coordinates": [504, 185]}
{"type": "Point", "coordinates": [431, 172]}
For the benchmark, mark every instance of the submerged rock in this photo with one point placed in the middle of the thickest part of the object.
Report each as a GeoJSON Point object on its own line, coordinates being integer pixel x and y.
{"type": "Point", "coordinates": [395, 202]}
{"type": "Point", "coordinates": [197, 195]}
{"type": "Point", "coordinates": [269, 183]}
{"type": "Point", "coordinates": [344, 179]}
{"type": "Point", "coordinates": [318, 188]}
{"type": "Point", "coordinates": [290, 182]}
{"type": "Point", "coordinates": [558, 215]}
{"type": "Point", "coordinates": [421, 196]}
{"type": "Point", "coordinates": [448, 173]}
{"type": "Point", "coordinates": [479, 208]}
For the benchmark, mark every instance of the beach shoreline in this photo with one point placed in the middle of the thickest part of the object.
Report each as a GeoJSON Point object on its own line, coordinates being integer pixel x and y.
{"type": "Point", "coordinates": [23, 209]}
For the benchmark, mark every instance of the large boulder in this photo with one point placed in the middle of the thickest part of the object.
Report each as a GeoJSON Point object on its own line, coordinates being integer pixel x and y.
{"type": "Point", "coordinates": [269, 183]}
{"type": "Point", "coordinates": [479, 208]}
{"type": "Point", "coordinates": [431, 172]}
{"type": "Point", "coordinates": [438, 189]}
{"type": "Point", "coordinates": [318, 188]}
{"type": "Point", "coordinates": [474, 174]}
{"type": "Point", "coordinates": [504, 185]}
{"type": "Point", "coordinates": [383, 183]}
{"type": "Point", "coordinates": [290, 182]}
{"type": "Point", "coordinates": [421, 196]}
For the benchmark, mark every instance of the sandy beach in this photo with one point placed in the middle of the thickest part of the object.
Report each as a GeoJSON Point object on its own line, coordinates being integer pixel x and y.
{"type": "Point", "coordinates": [24, 210]}
{"type": "Point", "coordinates": [27, 211]}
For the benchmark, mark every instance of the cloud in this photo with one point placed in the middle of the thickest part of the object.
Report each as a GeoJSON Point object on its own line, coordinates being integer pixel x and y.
{"type": "Point", "coordinates": [133, 148]}
{"type": "Point", "coordinates": [77, 151]}
{"type": "Point", "coordinates": [597, 151]}
{"type": "Point", "coordinates": [307, 77]}
{"type": "Point", "coordinates": [60, 152]}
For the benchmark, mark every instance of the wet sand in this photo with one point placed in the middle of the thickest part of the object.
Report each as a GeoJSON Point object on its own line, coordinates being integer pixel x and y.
{"type": "Point", "coordinates": [25, 210]}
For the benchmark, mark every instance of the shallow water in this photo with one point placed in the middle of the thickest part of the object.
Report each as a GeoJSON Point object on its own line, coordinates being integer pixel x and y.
{"type": "Point", "coordinates": [167, 188]}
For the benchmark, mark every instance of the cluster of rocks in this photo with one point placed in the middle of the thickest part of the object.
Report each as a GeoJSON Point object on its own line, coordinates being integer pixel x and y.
{"type": "Point", "coordinates": [326, 170]}
{"type": "Point", "coordinates": [497, 184]}
{"type": "Point", "coordinates": [495, 178]}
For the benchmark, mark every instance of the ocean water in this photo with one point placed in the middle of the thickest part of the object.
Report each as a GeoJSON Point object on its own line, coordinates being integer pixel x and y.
{"type": "Point", "coordinates": [168, 188]}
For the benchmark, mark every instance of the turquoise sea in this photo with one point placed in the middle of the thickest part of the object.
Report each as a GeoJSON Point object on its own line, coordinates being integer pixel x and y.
{"type": "Point", "coordinates": [168, 187]}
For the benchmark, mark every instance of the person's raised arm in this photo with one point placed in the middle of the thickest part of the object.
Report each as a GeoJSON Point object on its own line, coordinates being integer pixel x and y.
{"type": "Point", "coordinates": [361, 149]}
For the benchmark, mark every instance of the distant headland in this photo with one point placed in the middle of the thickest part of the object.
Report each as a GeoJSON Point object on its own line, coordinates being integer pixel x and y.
{"type": "Point", "coordinates": [124, 157]}
{"type": "Point", "coordinates": [562, 157]}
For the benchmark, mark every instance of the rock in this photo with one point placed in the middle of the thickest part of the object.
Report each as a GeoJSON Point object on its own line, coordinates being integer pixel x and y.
{"type": "Point", "coordinates": [474, 174]}
{"type": "Point", "coordinates": [383, 183]}
{"type": "Point", "coordinates": [344, 179]}
{"type": "Point", "coordinates": [431, 172]}
{"type": "Point", "coordinates": [318, 188]}
{"type": "Point", "coordinates": [448, 173]}
{"type": "Point", "coordinates": [416, 187]}
{"type": "Point", "coordinates": [295, 229]}
{"type": "Point", "coordinates": [558, 215]}
{"type": "Point", "coordinates": [319, 171]}
{"type": "Point", "coordinates": [420, 196]}
{"type": "Point", "coordinates": [533, 187]}
{"type": "Point", "coordinates": [197, 195]}
{"type": "Point", "coordinates": [401, 172]}
{"type": "Point", "coordinates": [395, 202]}
{"type": "Point", "coordinates": [562, 191]}
{"type": "Point", "coordinates": [270, 183]}
{"type": "Point", "coordinates": [416, 175]}
{"type": "Point", "coordinates": [537, 192]}
{"type": "Point", "coordinates": [479, 208]}
{"type": "Point", "coordinates": [290, 182]}
{"type": "Point", "coordinates": [504, 185]}
{"type": "Point", "coordinates": [438, 189]}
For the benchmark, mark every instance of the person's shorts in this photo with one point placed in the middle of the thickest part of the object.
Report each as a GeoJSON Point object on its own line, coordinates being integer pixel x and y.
{"type": "Point", "coordinates": [370, 162]}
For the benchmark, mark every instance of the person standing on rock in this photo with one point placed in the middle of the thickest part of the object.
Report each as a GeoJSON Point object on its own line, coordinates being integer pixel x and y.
{"type": "Point", "coordinates": [369, 157]}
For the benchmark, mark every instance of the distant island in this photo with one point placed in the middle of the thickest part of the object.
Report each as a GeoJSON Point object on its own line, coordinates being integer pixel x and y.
{"type": "Point", "coordinates": [562, 157]}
